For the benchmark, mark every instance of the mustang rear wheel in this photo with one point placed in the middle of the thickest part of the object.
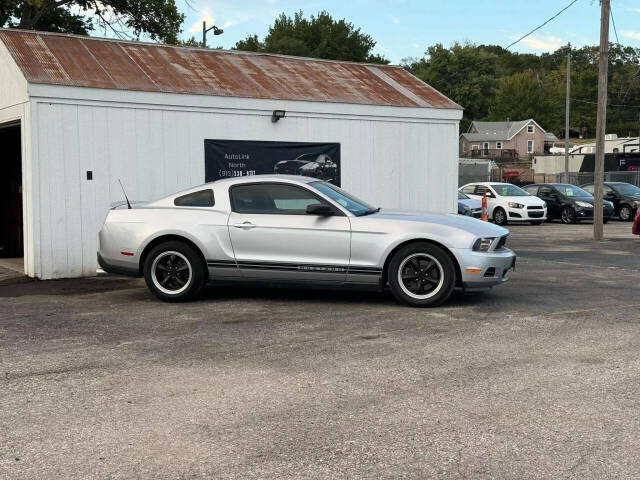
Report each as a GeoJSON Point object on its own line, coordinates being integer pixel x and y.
{"type": "Point", "coordinates": [174, 271]}
{"type": "Point", "coordinates": [421, 275]}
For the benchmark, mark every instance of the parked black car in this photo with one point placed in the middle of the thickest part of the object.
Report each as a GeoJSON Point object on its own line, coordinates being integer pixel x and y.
{"type": "Point", "coordinates": [568, 203]}
{"type": "Point", "coordinates": [625, 198]}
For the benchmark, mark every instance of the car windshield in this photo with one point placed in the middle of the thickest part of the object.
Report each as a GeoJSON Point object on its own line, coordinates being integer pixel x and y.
{"type": "Point", "coordinates": [572, 191]}
{"type": "Point", "coordinates": [462, 196]}
{"type": "Point", "coordinates": [346, 200]}
{"type": "Point", "coordinates": [508, 190]}
{"type": "Point", "coordinates": [627, 189]}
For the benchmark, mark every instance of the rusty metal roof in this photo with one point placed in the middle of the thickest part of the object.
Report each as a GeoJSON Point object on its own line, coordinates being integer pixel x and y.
{"type": "Point", "coordinates": [58, 59]}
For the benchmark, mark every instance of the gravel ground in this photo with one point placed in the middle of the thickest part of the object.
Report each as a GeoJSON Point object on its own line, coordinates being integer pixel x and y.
{"type": "Point", "coordinates": [537, 379]}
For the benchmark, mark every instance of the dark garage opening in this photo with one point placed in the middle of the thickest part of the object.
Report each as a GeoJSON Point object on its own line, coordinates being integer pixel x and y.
{"type": "Point", "coordinates": [11, 234]}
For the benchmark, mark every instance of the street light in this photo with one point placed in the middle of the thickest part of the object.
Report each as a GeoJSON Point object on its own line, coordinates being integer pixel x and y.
{"type": "Point", "coordinates": [205, 30]}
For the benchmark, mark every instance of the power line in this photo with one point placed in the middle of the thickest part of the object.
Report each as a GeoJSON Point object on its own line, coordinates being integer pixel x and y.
{"type": "Point", "coordinates": [614, 27]}
{"type": "Point", "coordinates": [538, 28]}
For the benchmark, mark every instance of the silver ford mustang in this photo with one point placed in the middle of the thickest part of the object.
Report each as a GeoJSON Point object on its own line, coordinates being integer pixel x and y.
{"type": "Point", "coordinates": [284, 229]}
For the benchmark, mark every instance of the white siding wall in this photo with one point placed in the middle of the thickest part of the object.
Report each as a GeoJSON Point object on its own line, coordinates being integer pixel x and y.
{"type": "Point", "coordinates": [13, 86]}
{"type": "Point", "coordinates": [400, 162]}
{"type": "Point", "coordinates": [14, 106]}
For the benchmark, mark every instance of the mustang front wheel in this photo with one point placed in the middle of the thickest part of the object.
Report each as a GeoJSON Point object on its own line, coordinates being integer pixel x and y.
{"type": "Point", "coordinates": [174, 271]}
{"type": "Point", "coordinates": [421, 275]}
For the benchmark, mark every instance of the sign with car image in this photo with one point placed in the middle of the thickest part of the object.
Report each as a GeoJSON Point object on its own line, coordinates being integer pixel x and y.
{"type": "Point", "coordinates": [241, 158]}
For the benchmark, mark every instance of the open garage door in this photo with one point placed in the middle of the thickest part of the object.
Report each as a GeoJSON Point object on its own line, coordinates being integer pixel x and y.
{"type": "Point", "coordinates": [11, 234]}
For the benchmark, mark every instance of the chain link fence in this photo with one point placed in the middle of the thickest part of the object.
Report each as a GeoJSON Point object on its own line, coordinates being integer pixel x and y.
{"type": "Point", "coordinates": [581, 178]}
{"type": "Point", "coordinates": [528, 177]}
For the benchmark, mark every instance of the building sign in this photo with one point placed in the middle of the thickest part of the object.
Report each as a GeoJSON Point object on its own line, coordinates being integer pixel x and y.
{"type": "Point", "coordinates": [240, 158]}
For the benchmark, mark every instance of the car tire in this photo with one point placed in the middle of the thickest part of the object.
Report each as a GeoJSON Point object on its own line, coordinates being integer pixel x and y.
{"type": "Point", "coordinates": [174, 272]}
{"type": "Point", "coordinates": [625, 213]}
{"type": "Point", "coordinates": [421, 275]}
{"type": "Point", "coordinates": [536, 223]}
{"type": "Point", "coordinates": [568, 216]}
{"type": "Point", "coordinates": [500, 216]}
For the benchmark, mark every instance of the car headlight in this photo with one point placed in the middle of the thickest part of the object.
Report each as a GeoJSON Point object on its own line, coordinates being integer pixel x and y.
{"type": "Point", "coordinates": [584, 205]}
{"type": "Point", "coordinates": [515, 205]}
{"type": "Point", "coordinates": [483, 244]}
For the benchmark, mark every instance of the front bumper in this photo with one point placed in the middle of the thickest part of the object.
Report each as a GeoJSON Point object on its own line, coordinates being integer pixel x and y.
{"type": "Point", "coordinates": [527, 215]}
{"type": "Point", "coordinates": [587, 213]}
{"type": "Point", "coordinates": [484, 270]}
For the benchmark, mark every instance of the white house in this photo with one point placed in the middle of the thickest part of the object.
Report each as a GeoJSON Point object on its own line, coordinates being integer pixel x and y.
{"type": "Point", "coordinates": [80, 113]}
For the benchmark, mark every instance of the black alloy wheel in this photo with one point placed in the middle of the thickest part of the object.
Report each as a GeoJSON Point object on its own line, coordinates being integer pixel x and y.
{"type": "Point", "coordinates": [174, 271]}
{"type": "Point", "coordinates": [421, 275]}
{"type": "Point", "coordinates": [568, 215]}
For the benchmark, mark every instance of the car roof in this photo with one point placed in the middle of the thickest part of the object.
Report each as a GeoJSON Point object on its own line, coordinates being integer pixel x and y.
{"type": "Point", "coordinates": [550, 184]}
{"type": "Point", "coordinates": [264, 178]}
{"type": "Point", "coordinates": [294, 179]}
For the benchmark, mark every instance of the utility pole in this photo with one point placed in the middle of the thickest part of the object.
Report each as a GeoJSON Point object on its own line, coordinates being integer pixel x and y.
{"type": "Point", "coordinates": [566, 117]}
{"type": "Point", "coordinates": [205, 30]}
{"type": "Point", "coordinates": [601, 123]}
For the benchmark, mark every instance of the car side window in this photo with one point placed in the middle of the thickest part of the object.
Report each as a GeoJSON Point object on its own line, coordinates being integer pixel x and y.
{"type": "Point", "coordinates": [532, 190]}
{"type": "Point", "coordinates": [480, 191]}
{"type": "Point", "coordinates": [606, 190]}
{"type": "Point", "coordinates": [469, 189]}
{"type": "Point", "coordinates": [201, 198]}
{"type": "Point", "coordinates": [272, 198]}
{"type": "Point", "coordinates": [588, 188]}
{"type": "Point", "coordinates": [545, 191]}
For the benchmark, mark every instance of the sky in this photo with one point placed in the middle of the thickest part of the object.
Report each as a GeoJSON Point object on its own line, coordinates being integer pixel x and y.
{"type": "Point", "coordinates": [405, 28]}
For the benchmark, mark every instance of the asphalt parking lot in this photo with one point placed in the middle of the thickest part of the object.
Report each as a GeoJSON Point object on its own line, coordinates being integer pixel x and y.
{"type": "Point", "coordinates": [538, 379]}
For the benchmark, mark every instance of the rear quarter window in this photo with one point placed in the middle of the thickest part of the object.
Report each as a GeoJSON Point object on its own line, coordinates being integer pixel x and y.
{"type": "Point", "coordinates": [201, 198]}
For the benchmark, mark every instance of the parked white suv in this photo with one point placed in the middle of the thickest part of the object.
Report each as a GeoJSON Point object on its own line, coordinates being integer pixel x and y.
{"type": "Point", "coordinates": [508, 203]}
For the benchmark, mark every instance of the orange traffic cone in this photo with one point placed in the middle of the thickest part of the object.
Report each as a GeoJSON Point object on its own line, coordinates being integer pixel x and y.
{"type": "Point", "coordinates": [484, 217]}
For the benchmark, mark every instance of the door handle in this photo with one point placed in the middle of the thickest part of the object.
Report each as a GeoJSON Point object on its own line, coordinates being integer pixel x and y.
{"type": "Point", "coordinates": [245, 225]}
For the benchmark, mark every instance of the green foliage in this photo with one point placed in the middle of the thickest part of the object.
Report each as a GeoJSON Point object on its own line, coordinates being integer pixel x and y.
{"type": "Point", "coordinates": [159, 19]}
{"type": "Point", "coordinates": [319, 37]}
{"type": "Point", "coordinates": [492, 83]}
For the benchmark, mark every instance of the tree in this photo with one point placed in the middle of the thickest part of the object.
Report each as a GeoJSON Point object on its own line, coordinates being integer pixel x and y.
{"type": "Point", "coordinates": [528, 95]}
{"type": "Point", "coordinates": [465, 73]}
{"type": "Point", "coordinates": [319, 37]}
{"type": "Point", "coordinates": [159, 19]}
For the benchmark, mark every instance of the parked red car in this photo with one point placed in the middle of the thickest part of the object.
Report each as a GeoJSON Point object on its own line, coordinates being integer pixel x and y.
{"type": "Point", "coordinates": [636, 224]}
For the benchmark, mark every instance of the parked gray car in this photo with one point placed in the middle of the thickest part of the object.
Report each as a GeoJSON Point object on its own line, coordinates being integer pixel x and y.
{"type": "Point", "coordinates": [283, 229]}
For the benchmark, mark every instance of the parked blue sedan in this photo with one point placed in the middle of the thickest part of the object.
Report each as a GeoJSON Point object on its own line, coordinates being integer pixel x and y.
{"type": "Point", "coordinates": [469, 206]}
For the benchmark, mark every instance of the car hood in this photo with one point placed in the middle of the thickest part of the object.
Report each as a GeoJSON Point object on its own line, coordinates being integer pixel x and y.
{"type": "Point", "coordinates": [470, 225]}
{"type": "Point", "coordinates": [530, 200]}
{"type": "Point", "coordinates": [588, 199]}
{"type": "Point", "coordinates": [634, 197]}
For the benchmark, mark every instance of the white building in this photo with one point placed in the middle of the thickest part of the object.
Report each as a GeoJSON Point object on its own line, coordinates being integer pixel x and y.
{"type": "Point", "coordinates": [80, 113]}
{"type": "Point", "coordinates": [612, 144]}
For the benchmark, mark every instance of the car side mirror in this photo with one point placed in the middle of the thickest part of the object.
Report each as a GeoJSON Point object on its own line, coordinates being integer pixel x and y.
{"type": "Point", "coordinates": [320, 209]}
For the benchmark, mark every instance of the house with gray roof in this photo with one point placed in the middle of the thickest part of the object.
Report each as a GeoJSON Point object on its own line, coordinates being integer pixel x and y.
{"type": "Point", "coordinates": [503, 139]}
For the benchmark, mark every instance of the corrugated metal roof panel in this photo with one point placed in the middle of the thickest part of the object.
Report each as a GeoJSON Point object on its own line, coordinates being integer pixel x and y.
{"type": "Point", "coordinates": [104, 63]}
